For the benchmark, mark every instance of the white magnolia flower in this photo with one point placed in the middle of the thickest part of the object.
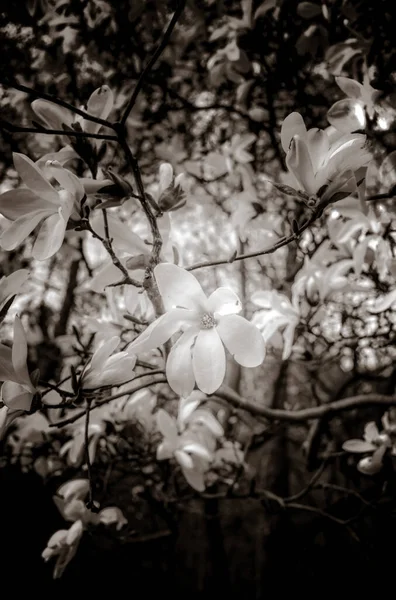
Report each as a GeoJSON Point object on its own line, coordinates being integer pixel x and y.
{"type": "Point", "coordinates": [278, 313]}
{"type": "Point", "coordinates": [108, 369]}
{"type": "Point", "coordinates": [322, 163]}
{"type": "Point", "coordinates": [39, 204]}
{"type": "Point", "coordinates": [207, 325]}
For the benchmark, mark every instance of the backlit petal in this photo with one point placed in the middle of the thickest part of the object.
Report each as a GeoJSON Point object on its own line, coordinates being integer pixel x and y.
{"type": "Point", "coordinates": [291, 126]}
{"type": "Point", "coordinates": [20, 202]}
{"type": "Point", "coordinates": [179, 371]}
{"type": "Point", "coordinates": [242, 339]}
{"type": "Point", "coordinates": [50, 236]}
{"type": "Point", "coordinates": [178, 287]}
{"type": "Point", "coordinates": [209, 361]}
{"type": "Point", "coordinates": [223, 301]}
{"type": "Point", "coordinates": [162, 329]}
{"type": "Point", "coordinates": [20, 229]}
{"type": "Point", "coordinates": [15, 396]}
{"type": "Point", "coordinates": [34, 178]}
{"type": "Point", "coordinates": [299, 162]}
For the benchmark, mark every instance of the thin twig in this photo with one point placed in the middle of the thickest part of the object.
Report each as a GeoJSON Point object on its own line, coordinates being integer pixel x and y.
{"type": "Point", "coordinates": [161, 47]}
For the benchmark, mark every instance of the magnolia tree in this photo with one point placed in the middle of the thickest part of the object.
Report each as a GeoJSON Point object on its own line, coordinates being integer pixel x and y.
{"type": "Point", "coordinates": [148, 362]}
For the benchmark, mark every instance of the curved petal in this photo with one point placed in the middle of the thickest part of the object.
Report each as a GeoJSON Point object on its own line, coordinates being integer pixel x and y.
{"type": "Point", "coordinates": [318, 144]}
{"type": "Point", "coordinates": [162, 329]}
{"type": "Point", "coordinates": [291, 126]}
{"type": "Point", "coordinates": [20, 202]}
{"type": "Point", "coordinates": [53, 115]}
{"type": "Point", "coordinates": [184, 459]}
{"type": "Point", "coordinates": [12, 284]}
{"type": "Point", "coordinates": [15, 396]}
{"type": "Point", "coordinates": [167, 426]}
{"type": "Point", "coordinates": [34, 179]}
{"type": "Point", "coordinates": [223, 301]}
{"type": "Point", "coordinates": [66, 179]}
{"type": "Point", "coordinates": [242, 339]}
{"type": "Point", "coordinates": [299, 162]}
{"type": "Point", "coordinates": [179, 288]}
{"type": "Point", "coordinates": [50, 237]}
{"type": "Point", "coordinates": [103, 352]}
{"type": "Point", "coordinates": [165, 451]}
{"type": "Point", "coordinates": [20, 229]}
{"type": "Point", "coordinates": [99, 105]}
{"type": "Point", "coordinates": [179, 371]}
{"type": "Point", "coordinates": [347, 115]}
{"type": "Point", "coordinates": [20, 354]}
{"type": "Point", "coordinates": [358, 446]}
{"type": "Point", "coordinates": [195, 478]}
{"type": "Point", "coordinates": [165, 177]}
{"type": "Point", "coordinates": [209, 361]}
{"type": "Point", "coordinates": [7, 372]}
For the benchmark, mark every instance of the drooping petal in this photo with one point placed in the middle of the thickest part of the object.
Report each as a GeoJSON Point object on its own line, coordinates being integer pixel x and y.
{"type": "Point", "coordinates": [179, 371]}
{"type": "Point", "coordinates": [299, 162]}
{"type": "Point", "coordinates": [50, 236]}
{"type": "Point", "coordinates": [15, 396]}
{"type": "Point", "coordinates": [20, 229]}
{"type": "Point", "coordinates": [178, 287]}
{"type": "Point", "coordinates": [162, 329]}
{"type": "Point", "coordinates": [197, 450]}
{"type": "Point", "coordinates": [20, 202]}
{"type": "Point", "coordinates": [184, 459]}
{"type": "Point", "coordinates": [291, 126]}
{"type": "Point", "coordinates": [20, 354]}
{"type": "Point", "coordinates": [223, 301]}
{"type": "Point", "coordinates": [195, 478]}
{"type": "Point", "coordinates": [209, 361]}
{"type": "Point", "coordinates": [242, 339]}
{"type": "Point", "coordinates": [34, 178]}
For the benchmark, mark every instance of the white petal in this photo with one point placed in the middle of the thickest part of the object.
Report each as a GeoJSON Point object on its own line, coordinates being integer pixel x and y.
{"type": "Point", "coordinates": [50, 236]}
{"type": "Point", "coordinates": [21, 228]}
{"type": "Point", "coordinates": [66, 179]}
{"type": "Point", "coordinates": [223, 301]}
{"type": "Point", "coordinates": [167, 426]}
{"type": "Point", "coordinates": [178, 287]}
{"type": "Point", "coordinates": [179, 371]}
{"type": "Point", "coordinates": [195, 478]}
{"type": "Point", "coordinates": [209, 361]}
{"type": "Point", "coordinates": [34, 179]}
{"type": "Point", "coordinates": [162, 329]}
{"type": "Point", "coordinates": [103, 352]}
{"type": "Point", "coordinates": [291, 126]}
{"type": "Point", "coordinates": [15, 396]}
{"type": "Point", "coordinates": [242, 339]}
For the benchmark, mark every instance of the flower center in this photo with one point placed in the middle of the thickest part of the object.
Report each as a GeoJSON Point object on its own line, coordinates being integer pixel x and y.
{"type": "Point", "coordinates": [207, 321]}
